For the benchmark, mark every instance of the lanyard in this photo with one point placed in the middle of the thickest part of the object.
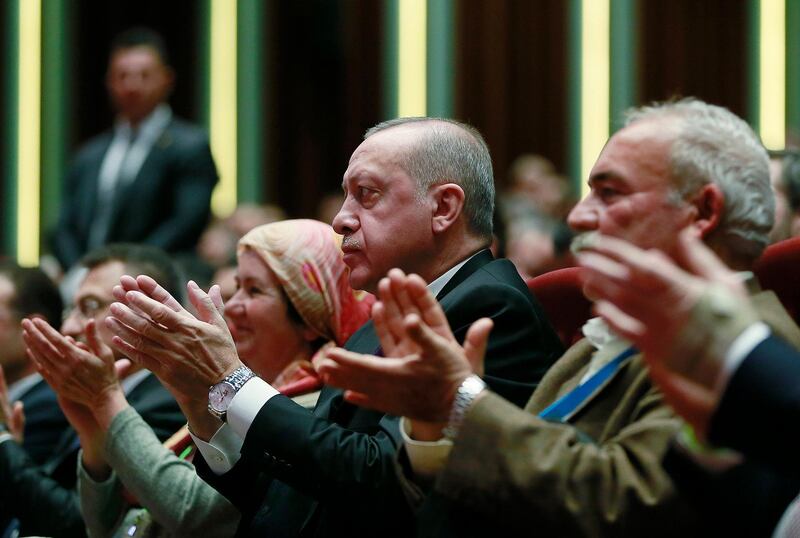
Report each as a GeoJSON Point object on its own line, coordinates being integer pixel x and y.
{"type": "Point", "coordinates": [566, 406]}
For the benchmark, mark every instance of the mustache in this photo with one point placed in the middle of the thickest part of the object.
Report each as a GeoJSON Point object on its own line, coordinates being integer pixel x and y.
{"type": "Point", "coordinates": [581, 241]}
{"type": "Point", "coordinates": [350, 243]}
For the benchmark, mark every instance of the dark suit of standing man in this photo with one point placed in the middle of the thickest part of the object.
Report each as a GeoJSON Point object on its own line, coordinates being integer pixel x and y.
{"type": "Point", "coordinates": [419, 196]}
{"type": "Point", "coordinates": [147, 180]}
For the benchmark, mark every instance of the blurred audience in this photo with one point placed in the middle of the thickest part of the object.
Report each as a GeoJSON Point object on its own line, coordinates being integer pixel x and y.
{"type": "Point", "coordinates": [784, 169]}
{"type": "Point", "coordinates": [584, 457]}
{"type": "Point", "coordinates": [149, 178]}
{"type": "Point", "coordinates": [28, 409]}
{"type": "Point", "coordinates": [532, 212]}
{"type": "Point", "coordinates": [42, 499]}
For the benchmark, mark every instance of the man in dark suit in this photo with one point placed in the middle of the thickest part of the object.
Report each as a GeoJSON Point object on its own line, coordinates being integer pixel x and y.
{"type": "Point", "coordinates": [419, 196]}
{"type": "Point", "coordinates": [147, 180]}
{"type": "Point", "coordinates": [28, 408]}
{"type": "Point", "coordinates": [42, 498]}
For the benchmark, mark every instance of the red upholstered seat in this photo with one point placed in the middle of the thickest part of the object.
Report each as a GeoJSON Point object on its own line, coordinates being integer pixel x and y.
{"type": "Point", "coordinates": [777, 270]}
{"type": "Point", "coordinates": [560, 294]}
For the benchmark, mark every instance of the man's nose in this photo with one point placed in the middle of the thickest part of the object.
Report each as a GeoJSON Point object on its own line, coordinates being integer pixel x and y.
{"type": "Point", "coordinates": [584, 216]}
{"type": "Point", "coordinates": [345, 221]}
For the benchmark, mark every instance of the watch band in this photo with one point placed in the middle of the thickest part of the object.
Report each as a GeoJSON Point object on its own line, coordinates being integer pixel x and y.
{"type": "Point", "coordinates": [235, 379]}
{"type": "Point", "coordinates": [239, 377]}
{"type": "Point", "coordinates": [466, 394]}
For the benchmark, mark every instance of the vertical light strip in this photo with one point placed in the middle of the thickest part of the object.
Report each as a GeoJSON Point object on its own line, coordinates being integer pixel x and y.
{"type": "Point", "coordinates": [595, 82]}
{"type": "Point", "coordinates": [793, 67]}
{"type": "Point", "coordinates": [441, 64]}
{"type": "Point", "coordinates": [29, 131]}
{"type": "Point", "coordinates": [251, 89]}
{"type": "Point", "coordinates": [222, 103]}
{"type": "Point", "coordinates": [772, 73]}
{"type": "Point", "coordinates": [623, 35]}
{"type": "Point", "coordinates": [412, 58]}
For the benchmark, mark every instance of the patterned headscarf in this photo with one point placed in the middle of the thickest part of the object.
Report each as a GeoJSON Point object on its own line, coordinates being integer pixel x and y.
{"type": "Point", "coordinates": [306, 257]}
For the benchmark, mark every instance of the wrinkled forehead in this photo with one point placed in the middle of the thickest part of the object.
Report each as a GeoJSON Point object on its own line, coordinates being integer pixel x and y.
{"type": "Point", "coordinates": [639, 155]}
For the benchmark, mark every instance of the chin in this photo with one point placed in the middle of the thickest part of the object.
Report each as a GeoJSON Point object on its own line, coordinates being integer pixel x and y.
{"type": "Point", "coordinates": [362, 282]}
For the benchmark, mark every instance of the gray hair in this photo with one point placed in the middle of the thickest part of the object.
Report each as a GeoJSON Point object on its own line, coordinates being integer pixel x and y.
{"type": "Point", "coordinates": [716, 146]}
{"type": "Point", "coordinates": [448, 151]}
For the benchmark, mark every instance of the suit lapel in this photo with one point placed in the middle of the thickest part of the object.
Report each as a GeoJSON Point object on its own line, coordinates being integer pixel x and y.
{"type": "Point", "coordinates": [127, 191]}
{"type": "Point", "coordinates": [476, 262]}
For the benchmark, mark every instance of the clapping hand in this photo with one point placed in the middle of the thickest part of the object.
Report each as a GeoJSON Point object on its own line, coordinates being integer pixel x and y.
{"type": "Point", "coordinates": [151, 328]}
{"type": "Point", "coordinates": [424, 364]}
{"type": "Point", "coordinates": [652, 301]}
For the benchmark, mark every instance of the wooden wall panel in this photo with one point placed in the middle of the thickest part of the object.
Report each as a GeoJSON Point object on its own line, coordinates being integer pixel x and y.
{"type": "Point", "coordinates": [511, 77]}
{"type": "Point", "coordinates": [325, 77]}
{"type": "Point", "coordinates": [697, 48]}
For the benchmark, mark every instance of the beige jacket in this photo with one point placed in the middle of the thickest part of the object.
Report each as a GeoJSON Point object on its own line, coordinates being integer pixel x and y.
{"type": "Point", "coordinates": [598, 475]}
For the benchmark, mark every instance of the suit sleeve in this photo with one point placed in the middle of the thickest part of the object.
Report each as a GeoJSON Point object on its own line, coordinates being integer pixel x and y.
{"type": "Point", "coordinates": [193, 176]}
{"type": "Point", "coordinates": [761, 399]}
{"type": "Point", "coordinates": [67, 246]}
{"type": "Point", "coordinates": [512, 466]}
{"type": "Point", "coordinates": [43, 506]}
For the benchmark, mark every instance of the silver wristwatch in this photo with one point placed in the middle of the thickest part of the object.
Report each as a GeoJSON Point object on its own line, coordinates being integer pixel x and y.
{"type": "Point", "coordinates": [221, 394]}
{"type": "Point", "coordinates": [466, 394]}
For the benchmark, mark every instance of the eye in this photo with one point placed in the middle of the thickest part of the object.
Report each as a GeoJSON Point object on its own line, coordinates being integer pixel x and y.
{"type": "Point", "coordinates": [607, 194]}
{"type": "Point", "coordinates": [367, 196]}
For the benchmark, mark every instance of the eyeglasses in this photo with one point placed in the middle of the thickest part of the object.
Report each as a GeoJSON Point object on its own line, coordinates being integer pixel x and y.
{"type": "Point", "coordinates": [88, 307]}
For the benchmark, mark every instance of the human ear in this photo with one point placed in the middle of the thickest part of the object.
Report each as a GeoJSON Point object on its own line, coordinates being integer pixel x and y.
{"type": "Point", "coordinates": [449, 203]}
{"type": "Point", "coordinates": [709, 204]}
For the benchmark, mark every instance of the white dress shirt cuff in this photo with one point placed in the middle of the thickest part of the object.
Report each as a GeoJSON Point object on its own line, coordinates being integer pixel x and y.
{"type": "Point", "coordinates": [222, 451]}
{"type": "Point", "coordinates": [741, 347]}
{"type": "Point", "coordinates": [426, 457]}
{"type": "Point", "coordinates": [247, 403]}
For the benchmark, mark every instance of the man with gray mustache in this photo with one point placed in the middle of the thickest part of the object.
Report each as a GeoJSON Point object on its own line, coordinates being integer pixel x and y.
{"type": "Point", "coordinates": [584, 456]}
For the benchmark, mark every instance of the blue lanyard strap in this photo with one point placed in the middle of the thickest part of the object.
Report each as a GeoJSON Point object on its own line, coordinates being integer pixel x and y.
{"type": "Point", "coordinates": [567, 405]}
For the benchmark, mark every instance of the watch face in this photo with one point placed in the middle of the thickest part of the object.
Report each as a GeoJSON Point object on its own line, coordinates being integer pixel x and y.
{"type": "Point", "coordinates": [220, 396]}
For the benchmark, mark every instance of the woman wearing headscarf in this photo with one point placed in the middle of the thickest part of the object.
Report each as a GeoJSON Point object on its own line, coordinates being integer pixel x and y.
{"type": "Point", "coordinates": [292, 299]}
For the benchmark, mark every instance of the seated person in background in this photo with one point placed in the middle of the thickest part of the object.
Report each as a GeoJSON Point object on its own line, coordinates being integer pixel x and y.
{"type": "Point", "coordinates": [419, 194]}
{"type": "Point", "coordinates": [784, 169]}
{"type": "Point", "coordinates": [293, 298]}
{"type": "Point", "coordinates": [43, 498]}
{"type": "Point", "coordinates": [716, 364]}
{"type": "Point", "coordinates": [28, 409]}
{"type": "Point", "coordinates": [584, 456]}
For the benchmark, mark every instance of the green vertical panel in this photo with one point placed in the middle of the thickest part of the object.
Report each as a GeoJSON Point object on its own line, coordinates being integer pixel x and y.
{"type": "Point", "coordinates": [11, 81]}
{"type": "Point", "coordinates": [624, 23]}
{"type": "Point", "coordinates": [55, 59]}
{"type": "Point", "coordinates": [441, 66]}
{"type": "Point", "coordinates": [390, 58]}
{"type": "Point", "coordinates": [574, 85]}
{"type": "Point", "coordinates": [250, 59]}
{"type": "Point", "coordinates": [793, 67]}
{"type": "Point", "coordinates": [204, 71]}
{"type": "Point", "coordinates": [754, 65]}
